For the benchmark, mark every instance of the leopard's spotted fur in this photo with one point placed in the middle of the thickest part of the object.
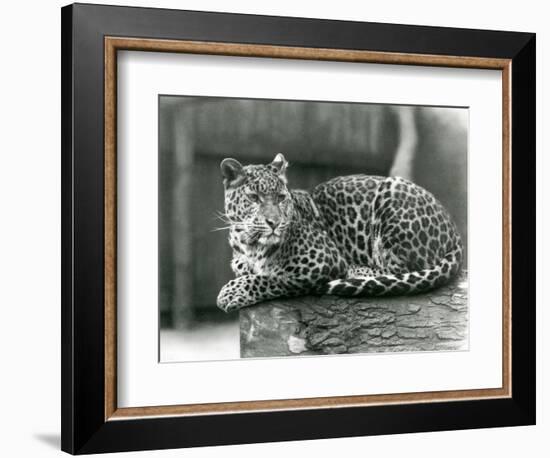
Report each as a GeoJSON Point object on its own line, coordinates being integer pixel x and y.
{"type": "Point", "coordinates": [354, 235]}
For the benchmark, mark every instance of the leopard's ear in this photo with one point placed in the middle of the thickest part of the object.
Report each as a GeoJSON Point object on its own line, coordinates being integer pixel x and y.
{"type": "Point", "coordinates": [280, 164]}
{"type": "Point", "coordinates": [232, 171]}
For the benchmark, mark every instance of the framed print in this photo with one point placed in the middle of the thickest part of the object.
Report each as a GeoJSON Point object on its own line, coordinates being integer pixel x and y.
{"type": "Point", "coordinates": [270, 222]}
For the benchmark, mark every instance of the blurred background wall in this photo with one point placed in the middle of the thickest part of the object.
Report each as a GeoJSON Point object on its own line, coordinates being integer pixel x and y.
{"type": "Point", "coordinates": [321, 140]}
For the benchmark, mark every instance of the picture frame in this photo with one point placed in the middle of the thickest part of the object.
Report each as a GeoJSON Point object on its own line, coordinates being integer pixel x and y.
{"type": "Point", "coordinates": [92, 35]}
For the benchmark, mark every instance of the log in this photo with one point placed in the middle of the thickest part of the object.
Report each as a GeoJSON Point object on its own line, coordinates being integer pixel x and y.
{"type": "Point", "coordinates": [313, 325]}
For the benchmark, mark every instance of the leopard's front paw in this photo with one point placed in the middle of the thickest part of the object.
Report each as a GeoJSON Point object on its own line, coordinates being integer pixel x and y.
{"type": "Point", "coordinates": [230, 299]}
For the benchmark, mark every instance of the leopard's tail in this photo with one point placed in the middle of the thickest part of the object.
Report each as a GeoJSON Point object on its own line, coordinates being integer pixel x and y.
{"type": "Point", "coordinates": [397, 284]}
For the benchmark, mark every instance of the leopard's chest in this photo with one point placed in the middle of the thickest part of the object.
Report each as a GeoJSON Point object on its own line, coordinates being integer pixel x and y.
{"type": "Point", "coordinates": [260, 262]}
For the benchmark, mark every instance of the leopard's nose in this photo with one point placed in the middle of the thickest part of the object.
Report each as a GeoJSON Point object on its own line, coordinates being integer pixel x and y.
{"type": "Point", "coordinates": [272, 223]}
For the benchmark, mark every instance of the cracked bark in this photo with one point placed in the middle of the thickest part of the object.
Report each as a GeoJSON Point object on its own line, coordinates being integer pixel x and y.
{"type": "Point", "coordinates": [434, 321]}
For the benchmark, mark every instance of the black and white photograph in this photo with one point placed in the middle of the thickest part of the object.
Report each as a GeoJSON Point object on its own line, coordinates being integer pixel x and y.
{"type": "Point", "coordinates": [295, 228]}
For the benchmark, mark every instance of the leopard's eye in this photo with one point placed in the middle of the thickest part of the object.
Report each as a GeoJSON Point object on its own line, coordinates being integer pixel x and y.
{"type": "Point", "coordinates": [281, 197]}
{"type": "Point", "coordinates": [253, 197]}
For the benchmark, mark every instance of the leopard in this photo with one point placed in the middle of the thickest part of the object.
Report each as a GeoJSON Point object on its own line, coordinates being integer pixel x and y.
{"type": "Point", "coordinates": [351, 236]}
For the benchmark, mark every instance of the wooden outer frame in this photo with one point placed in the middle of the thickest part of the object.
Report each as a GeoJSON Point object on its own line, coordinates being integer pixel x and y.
{"type": "Point", "coordinates": [114, 44]}
{"type": "Point", "coordinates": [90, 421]}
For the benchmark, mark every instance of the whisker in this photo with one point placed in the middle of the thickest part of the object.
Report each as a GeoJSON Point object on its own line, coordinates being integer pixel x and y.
{"type": "Point", "coordinates": [223, 217]}
{"type": "Point", "coordinates": [235, 225]}
{"type": "Point", "coordinates": [220, 229]}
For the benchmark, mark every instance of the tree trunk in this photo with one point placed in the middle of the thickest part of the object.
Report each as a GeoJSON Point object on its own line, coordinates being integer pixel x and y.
{"type": "Point", "coordinates": [433, 321]}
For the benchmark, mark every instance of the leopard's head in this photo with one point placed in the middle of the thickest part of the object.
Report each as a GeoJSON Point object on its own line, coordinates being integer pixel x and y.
{"type": "Point", "coordinates": [258, 203]}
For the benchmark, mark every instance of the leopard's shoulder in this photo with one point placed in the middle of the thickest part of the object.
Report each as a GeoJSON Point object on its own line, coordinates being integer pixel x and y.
{"type": "Point", "coordinates": [304, 206]}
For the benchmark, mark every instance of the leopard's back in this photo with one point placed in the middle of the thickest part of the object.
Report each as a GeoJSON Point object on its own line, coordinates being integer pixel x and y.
{"type": "Point", "coordinates": [346, 204]}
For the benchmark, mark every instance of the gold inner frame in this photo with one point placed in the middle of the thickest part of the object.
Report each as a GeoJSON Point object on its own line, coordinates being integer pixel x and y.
{"type": "Point", "coordinates": [114, 44]}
